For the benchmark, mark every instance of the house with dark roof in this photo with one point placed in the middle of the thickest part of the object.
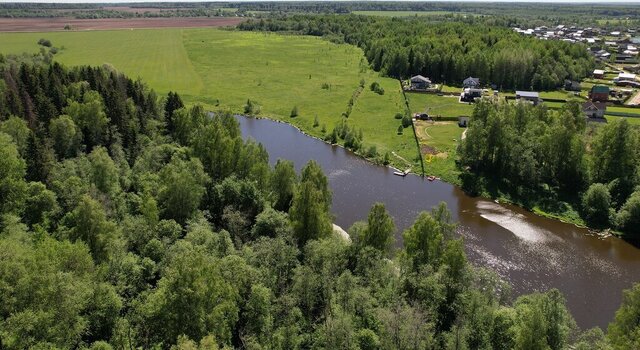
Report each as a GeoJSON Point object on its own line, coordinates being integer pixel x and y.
{"type": "Point", "coordinates": [470, 94]}
{"type": "Point", "coordinates": [471, 82]}
{"type": "Point", "coordinates": [528, 96]}
{"type": "Point", "coordinates": [571, 85]}
{"type": "Point", "coordinates": [594, 109]}
{"type": "Point", "coordinates": [418, 82]}
{"type": "Point", "coordinates": [599, 93]}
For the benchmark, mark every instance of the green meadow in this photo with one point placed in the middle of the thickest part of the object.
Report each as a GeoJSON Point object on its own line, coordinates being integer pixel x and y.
{"type": "Point", "coordinates": [446, 106]}
{"type": "Point", "coordinates": [222, 69]}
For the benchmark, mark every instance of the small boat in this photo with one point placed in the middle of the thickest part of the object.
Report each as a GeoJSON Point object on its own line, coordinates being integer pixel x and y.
{"type": "Point", "coordinates": [431, 178]}
{"type": "Point", "coordinates": [399, 173]}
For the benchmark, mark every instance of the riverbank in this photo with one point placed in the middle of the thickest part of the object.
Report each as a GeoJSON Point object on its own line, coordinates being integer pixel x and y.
{"type": "Point", "coordinates": [529, 251]}
{"type": "Point", "coordinates": [564, 211]}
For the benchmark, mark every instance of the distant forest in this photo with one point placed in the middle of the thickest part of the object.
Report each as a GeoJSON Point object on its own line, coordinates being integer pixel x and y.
{"type": "Point", "coordinates": [516, 14]}
{"type": "Point", "coordinates": [445, 52]}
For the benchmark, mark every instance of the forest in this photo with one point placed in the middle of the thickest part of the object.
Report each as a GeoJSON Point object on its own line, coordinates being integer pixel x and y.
{"type": "Point", "coordinates": [128, 220]}
{"type": "Point", "coordinates": [445, 52]}
{"type": "Point", "coordinates": [544, 156]}
{"type": "Point", "coordinates": [535, 14]}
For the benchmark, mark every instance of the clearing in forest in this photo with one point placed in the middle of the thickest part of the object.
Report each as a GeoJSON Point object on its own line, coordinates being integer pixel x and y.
{"type": "Point", "coordinates": [222, 69]}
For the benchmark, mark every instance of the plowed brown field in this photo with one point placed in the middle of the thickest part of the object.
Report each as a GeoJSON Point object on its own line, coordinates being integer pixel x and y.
{"type": "Point", "coordinates": [58, 23]}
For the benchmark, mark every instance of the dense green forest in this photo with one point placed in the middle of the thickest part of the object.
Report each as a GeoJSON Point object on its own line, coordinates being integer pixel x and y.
{"type": "Point", "coordinates": [129, 221]}
{"type": "Point", "coordinates": [544, 157]}
{"type": "Point", "coordinates": [446, 52]}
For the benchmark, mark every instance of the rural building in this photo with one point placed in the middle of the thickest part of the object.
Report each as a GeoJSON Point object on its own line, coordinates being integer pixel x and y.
{"type": "Point", "coordinates": [625, 58]}
{"type": "Point", "coordinates": [599, 93]}
{"type": "Point", "coordinates": [528, 96]}
{"type": "Point", "coordinates": [598, 73]}
{"type": "Point", "coordinates": [570, 85]}
{"type": "Point", "coordinates": [463, 121]}
{"type": "Point", "coordinates": [625, 77]}
{"type": "Point", "coordinates": [594, 109]}
{"type": "Point", "coordinates": [418, 82]}
{"type": "Point", "coordinates": [628, 83]}
{"type": "Point", "coordinates": [471, 82]}
{"type": "Point", "coordinates": [470, 94]}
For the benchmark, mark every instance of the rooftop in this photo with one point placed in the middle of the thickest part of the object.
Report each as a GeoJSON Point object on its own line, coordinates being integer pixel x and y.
{"type": "Point", "coordinates": [600, 89]}
{"type": "Point", "coordinates": [527, 94]}
{"type": "Point", "coordinates": [420, 78]}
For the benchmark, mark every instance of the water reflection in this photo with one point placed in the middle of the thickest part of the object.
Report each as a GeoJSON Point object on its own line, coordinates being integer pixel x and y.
{"type": "Point", "coordinates": [531, 252]}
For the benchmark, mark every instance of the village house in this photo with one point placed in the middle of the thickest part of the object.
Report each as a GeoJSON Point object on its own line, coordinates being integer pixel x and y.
{"type": "Point", "coordinates": [470, 94]}
{"type": "Point", "coordinates": [572, 85]}
{"type": "Point", "coordinates": [471, 82]}
{"type": "Point", "coordinates": [594, 109]}
{"type": "Point", "coordinates": [599, 93]}
{"type": "Point", "coordinates": [625, 58]}
{"type": "Point", "coordinates": [598, 74]}
{"type": "Point", "coordinates": [528, 96]}
{"type": "Point", "coordinates": [418, 82]}
{"type": "Point", "coordinates": [624, 77]}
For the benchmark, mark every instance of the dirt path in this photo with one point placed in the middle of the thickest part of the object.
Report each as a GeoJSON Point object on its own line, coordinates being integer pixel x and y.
{"type": "Point", "coordinates": [635, 100]}
{"type": "Point", "coordinates": [58, 23]}
{"type": "Point", "coordinates": [402, 159]}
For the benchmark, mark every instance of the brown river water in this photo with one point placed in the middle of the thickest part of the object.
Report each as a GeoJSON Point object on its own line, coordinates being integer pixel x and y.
{"type": "Point", "coordinates": [532, 253]}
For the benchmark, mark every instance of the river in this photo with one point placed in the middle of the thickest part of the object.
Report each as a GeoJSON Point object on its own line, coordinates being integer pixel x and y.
{"type": "Point", "coordinates": [530, 252]}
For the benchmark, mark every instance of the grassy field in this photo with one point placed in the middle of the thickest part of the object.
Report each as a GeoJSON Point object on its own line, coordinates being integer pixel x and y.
{"type": "Point", "coordinates": [632, 121]}
{"type": "Point", "coordinates": [406, 13]}
{"type": "Point", "coordinates": [222, 69]}
{"type": "Point", "coordinates": [446, 106]}
{"type": "Point", "coordinates": [438, 144]}
{"type": "Point", "coordinates": [451, 89]}
{"type": "Point", "coordinates": [619, 109]}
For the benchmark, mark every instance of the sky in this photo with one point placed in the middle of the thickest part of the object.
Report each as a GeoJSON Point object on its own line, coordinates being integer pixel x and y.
{"type": "Point", "coordinates": [518, 1]}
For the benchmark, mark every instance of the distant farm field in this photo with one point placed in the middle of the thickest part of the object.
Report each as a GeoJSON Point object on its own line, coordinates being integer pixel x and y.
{"type": "Point", "coordinates": [406, 13]}
{"type": "Point", "coordinates": [223, 69]}
{"type": "Point", "coordinates": [59, 23]}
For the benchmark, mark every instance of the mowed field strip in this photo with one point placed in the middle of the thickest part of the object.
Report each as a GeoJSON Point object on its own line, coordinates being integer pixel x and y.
{"type": "Point", "coordinates": [222, 69]}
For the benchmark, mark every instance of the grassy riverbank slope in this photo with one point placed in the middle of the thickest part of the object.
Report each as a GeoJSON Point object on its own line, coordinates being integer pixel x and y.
{"type": "Point", "coordinates": [223, 69]}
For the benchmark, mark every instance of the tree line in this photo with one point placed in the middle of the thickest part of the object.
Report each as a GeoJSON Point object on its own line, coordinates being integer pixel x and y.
{"type": "Point", "coordinates": [132, 221]}
{"type": "Point", "coordinates": [445, 52]}
{"type": "Point", "coordinates": [545, 157]}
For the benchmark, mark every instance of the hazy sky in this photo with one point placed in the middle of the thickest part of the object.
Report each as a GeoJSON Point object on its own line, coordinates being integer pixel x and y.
{"type": "Point", "coordinates": [532, 1]}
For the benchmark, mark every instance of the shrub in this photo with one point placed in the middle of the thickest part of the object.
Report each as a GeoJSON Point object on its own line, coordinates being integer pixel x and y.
{"type": "Point", "coordinates": [294, 112]}
{"type": "Point", "coordinates": [251, 108]}
{"type": "Point", "coordinates": [398, 116]}
{"type": "Point", "coordinates": [387, 158]}
{"type": "Point", "coordinates": [400, 129]}
{"type": "Point", "coordinates": [628, 218]}
{"type": "Point", "coordinates": [372, 152]}
{"type": "Point", "coordinates": [406, 121]}
{"type": "Point", "coordinates": [375, 87]}
{"type": "Point", "coordinates": [326, 86]}
{"type": "Point", "coordinates": [44, 42]}
{"type": "Point", "coordinates": [596, 203]}
{"type": "Point", "coordinates": [316, 122]}
{"type": "Point", "coordinates": [332, 138]}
